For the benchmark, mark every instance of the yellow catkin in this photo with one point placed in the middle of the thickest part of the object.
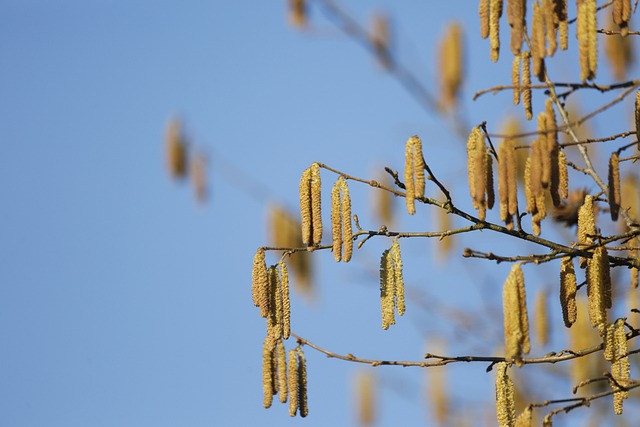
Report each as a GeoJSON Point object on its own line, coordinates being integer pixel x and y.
{"type": "Point", "coordinates": [542, 320]}
{"type": "Point", "coordinates": [587, 27]}
{"type": "Point", "coordinates": [477, 172]}
{"type": "Point", "coordinates": [598, 287]}
{"type": "Point", "coordinates": [568, 289]}
{"type": "Point", "coordinates": [418, 166]}
{"type": "Point", "coordinates": [608, 341]}
{"type": "Point", "coordinates": [538, 48]}
{"type": "Point", "coordinates": [176, 149]}
{"type": "Point", "coordinates": [543, 151]}
{"type": "Point", "coordinates": [507, 181]}
{"type": "Point", "coordinates": [198, 166]}
{"type": "Point", "coordinates": [515, 79]}
{"type": "Point", "coordinates": [281, 369]}
{"type": "Point", "coordinates": [553, 150]}
{"type": "Point", "coordinates": [336, 221]}
{"type": "Point", "coordinates": [505, 402]}
{"type": "Point", "coordinates": [563, 26]}
{"type": "Point", "coordinates": [526, 84]}
{"type": "Point", "coordinates": [387, 290]}
{"type": "Point", "coordinates": [286, 301]}
{"type": "Point", "coordinates": [586, 226]}
{"type": "Point", "coordinates": [451, 65]}
{"type": "Point", "coordinates": [268, 371]}
{"type": "Point", "coordinates": [483, 11]}
{"type": "Point", "coordinates": [495, 11]}
{"type": "Point", "coordinates": [302, 383]}
{"type": "Point", "coordinates": [398, 281]}
{"type": "Point", "coordinates": [563, 175]}
{"type": "Point", "coordinates": [305, 207]}
{"type": "Point", "coordinates": [634, 276]}
{"type": "Point", "coordinates": [621, 15]}
{"type": "Point", "coordinates": [260, 283]}
{"type": "Point", "coordinates": [298, 13]}
{"type": "Point", "coordinates": [384, 201]}
{"type": "Point", "coordinates": [316, 212]}
{"type": "Point", "coordinates": [365, 395]}
{"type": "Point", "coordinates": [516, 321]}
{"type": "Point", "coordinates": [293, 383]}
{"type": "Point", "coordinates": [620, 367]}
{"type": "Point", "coordinates": [551, 22]}
{"type": "Point", "coordinates": [347, 229]}
{"type": "Point", "coordinates": [515, 18]}
{"type": "Point", "coordinates": [491, 196]}
{"type": "Point", "coordinates": [528, 191]}
{"type": "Point", "coordinates": [274, 320]}
{"type": "Point", "coordinates": [614, 185]}
{"type": "Point", "coordinates": [409, 178]}
{"type": "Point", "coordinates": [637, 117]}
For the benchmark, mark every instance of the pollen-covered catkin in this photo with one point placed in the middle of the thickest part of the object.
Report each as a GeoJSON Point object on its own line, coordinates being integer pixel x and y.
{"type": "Point", "coordinates": [507, 182]}
{"type": "Point", "coordinates": [347, 229]}
{"type": "Point", "coordinates": [563, 26]}
{"type": "Point", "coordinates": [414, 178]}
{"type": "Point", "coordinates": [491, 196]}
{"type": "Point", "coordinates": [538, 48]}
{"type": "Point", "coordinates": [598, 287]}
{"type": "Point", "coordinates": [387, 290]}
{"type": "Point", "coordinates": [516, 10]}
{"type": "Point", "coordinates": [483, 11]}
{"type": "Point", "coordinates": [451, 65]}
{"type": "Point", "coordinates": [587, 27]}
{"type": "Point", "coordinates": [526, 84]}
{"type": "Point", "coordinates": [293, 383]}
{"type": "Point", "coordinates": [543, 151]}
{"type": "Point", "coordinates": [365, 394]}
{"type": "Point", "coordinates": [336, 222]}
{"type": "Point", "coordinates": [260, 283]}
{"type": "Point", "coordinates": [516, 320]}
{"type": "Point", "coordinates": [316, 212]}
{"type": "Point", "coordinates": [302, 383]}
{"type": "Point", "coordinates": [398, 280]}
{"type": "Point", "coordinates": [477, 171]}
{"type": "Point", "coordinates": [542, 323]}
{"type": "Point", "coordinates": [551, 25]}
{"type": "Point", "coordinates": [568, 289]}
{"type": "Point", "coordinates": [621, 15]}
{"type": "Point", "coordinates": [614, 185]}
{"type": "Point", "coordinates": [274, 320]}
{"type": "Point", "coordinates": [515, 78]}
{"type": "Point", "coordinates": [281, 369]}
{"type": "Point", "coordinates": [505, 400]}
{"type": "Point", "coordinates": [268, 371]}
{"type": "Point", "coordinates": [525, 419]}
{"type": "Point", "coordinates": [495, 12]}
{"type": "Point", "coordinates": [563, 175]}
{"type": "Point", "coordinates": [586, 226]}
{"type": "Point", "coordinates": [286, 301]}
{"type": "Point", "coordinates": [620, 367]}
{"type": "Point", "coordinates": [305, 207]}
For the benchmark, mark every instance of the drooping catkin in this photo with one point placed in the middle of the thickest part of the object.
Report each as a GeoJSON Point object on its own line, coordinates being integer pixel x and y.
{"type": "Point", "coordinates": [526, 84]}
{"type": "Point", "coordinates": [260, 283]}
{"type": "Point", "coordinates": [286, 301]}
{"type": "Point", "coordinates": [620, 367]}
{"type": "Point", "coordinates": [516, 10]}
{"type": "Point", "coordinates": [586, 226]}
{"type": "Point", "coordinates": [316, 212]}
{"type": "Point", "coordinates": [542, 320]}
{"type": "Point", "coordinates": [563, 26]}
{"type": "Point", "coordinates": [387, 290]}
{"type": "Point", "coordinates": [365, 396]}
{"type": "Point", "coordinates": [551, 22]}
{"type": "Point", "coordinates": [347, 229]}
{"type": "Point", "coordinates": [451, 65]}
{"type": "Point", "coordinates": [516, 320]}
{"type": "Point", "coordinates": [507, 181]}
{"type": "Point", "coordinates": [568, 289]}
{"type": "Point", "coordinates": [268, 371]}
{"type": "Point", "coordinates": [491, 195]}
{"type": "Point", "coordinates": [538, 48]}
{"type": "Point", "coordinates": [398, 281]}
{"type": "Point", "coordinates": [515, 78]}
{"type": "Point", "coordinates": [525, 419]}
{"type": "Point", "coordinates": [477, 171]}
{"type": "Point", "coordinates": [505, 401]}
{"type": "Point", "coordinates": [176, 149]}
{"type": "Point", "coordinates": [637, 117]}
{"type": "Point", "coordinates": [614, 185]}
{"type": "Point", "coordinates": [414, 179]}
{"type": "Point", "coordinates": [302, 383]}
{"type": "Point", "coordinates": [483, 11]}
{"type": "Point", "coordinates": [543, 154]}
{"type": "Point", "coordinates": [281, 369]}
{"type": "Point", "coordinates": [563, 175]}
{"type": "Point", "coordinates": [587, 27]}
{"type": "Point", "coordinates": [336, 221]}
{"type": "Point", "coordinates": [305, 207]}
{"type": "Point", "coordinates": [274, 319]}
{"type": "Point", "coordinates": [298, 13]}
{"type": "Point", "coordinates": [495, 12]}
{"type": "Point", "coordinates": [634, 276]}
{"type": "Point", "coordinates": [599, 287]}
{"type": "Point", "coordinates": [621, 15]}
{"type": "Point", "coordinates": [620, 54]}
{"type": "Point", "coordinates": [293, 383]}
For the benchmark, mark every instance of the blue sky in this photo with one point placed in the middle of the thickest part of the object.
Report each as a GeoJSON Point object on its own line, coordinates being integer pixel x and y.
{"type": "Point", "coordinates": [123, 302]}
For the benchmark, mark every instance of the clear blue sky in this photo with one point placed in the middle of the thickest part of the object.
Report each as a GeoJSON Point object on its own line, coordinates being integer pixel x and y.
{"type": "Point", "coordinates": [122, 302]}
